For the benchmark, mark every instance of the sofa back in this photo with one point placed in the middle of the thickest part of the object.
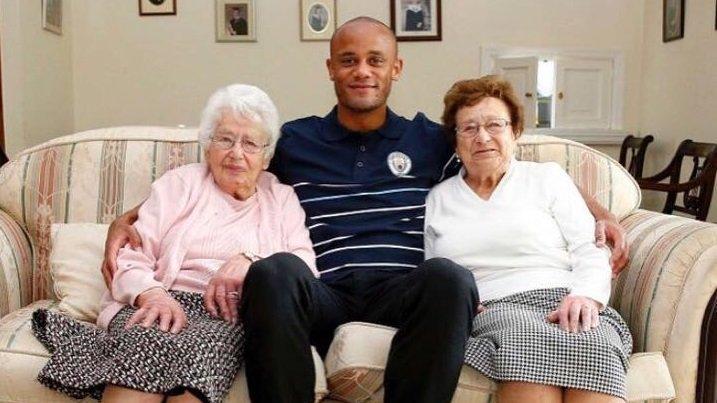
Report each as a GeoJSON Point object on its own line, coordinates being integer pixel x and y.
{"type": "Point", "coordinates": [96, 175]}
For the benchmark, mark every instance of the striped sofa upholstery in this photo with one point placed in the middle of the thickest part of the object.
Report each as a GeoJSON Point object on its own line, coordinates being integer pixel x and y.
{"type": "Point", "coordinates": [94, 176]}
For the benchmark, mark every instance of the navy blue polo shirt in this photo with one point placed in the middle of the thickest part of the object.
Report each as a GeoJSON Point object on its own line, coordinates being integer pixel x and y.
{"type": "Point", "coordinates": [364, 193]}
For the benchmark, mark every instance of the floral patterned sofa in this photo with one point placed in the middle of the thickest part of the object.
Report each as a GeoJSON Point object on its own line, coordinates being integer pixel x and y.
{"type": "Point", "coordinates": [93, 176]}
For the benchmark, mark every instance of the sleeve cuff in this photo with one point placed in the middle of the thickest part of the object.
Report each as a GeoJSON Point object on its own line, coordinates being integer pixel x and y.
{"type": "Point", "coordinates": [133, 298]}
{"type": "Point", "coordinates": [601, 297]}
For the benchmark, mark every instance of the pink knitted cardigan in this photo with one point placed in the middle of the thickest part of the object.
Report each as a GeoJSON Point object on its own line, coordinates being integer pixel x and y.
{"type": "Point", "coordinates": [180, 200]}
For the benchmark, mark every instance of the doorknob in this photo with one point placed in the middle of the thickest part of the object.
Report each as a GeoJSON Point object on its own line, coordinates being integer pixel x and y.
{"type": "Point", "coordinates": [560, 95]}
{"type": "Point", "coordinates": [528, 94]}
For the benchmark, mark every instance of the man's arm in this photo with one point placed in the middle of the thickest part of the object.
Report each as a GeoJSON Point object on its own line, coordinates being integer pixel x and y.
{"type": "Point", "coordinates": [608, 231]}
{"type": "Point", "coordinates": [119, 234]}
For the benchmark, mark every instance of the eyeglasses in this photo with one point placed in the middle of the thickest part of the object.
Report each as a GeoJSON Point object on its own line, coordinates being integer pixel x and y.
{"type": "Point", "coordinates": [250, 146]}
{"type": "Point", "coordinates": [494, 127]}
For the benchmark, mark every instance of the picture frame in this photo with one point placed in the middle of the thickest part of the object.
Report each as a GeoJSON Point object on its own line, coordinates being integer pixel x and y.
{"type": "Point", "coordinates": [157, 7]}
{"type": "Point", "coordinates": [673, 20]}
{"type": "Point", "coordinates": [235, 21]}
{"type": "Point", "coordinates": [318, 19]}
{"type": "Point", "coordinates": [416, 20]}
{"type": "Point", "coordinates": [52, 16]}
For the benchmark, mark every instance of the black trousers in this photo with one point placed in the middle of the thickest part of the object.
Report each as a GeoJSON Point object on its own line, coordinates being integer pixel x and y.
{"type": "Point", "coordinates": [285, 309]}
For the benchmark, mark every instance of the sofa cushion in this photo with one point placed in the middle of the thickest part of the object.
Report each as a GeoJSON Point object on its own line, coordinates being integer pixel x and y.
{"type": "Point", "coordinates": [357, 358]}
{"type": "Point", "coordinates": [22, 357]}
{"type": "Point", "coordinates": [77, 251]}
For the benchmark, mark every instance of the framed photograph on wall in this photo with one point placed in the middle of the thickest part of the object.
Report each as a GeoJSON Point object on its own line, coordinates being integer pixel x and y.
{"type": "Point", "coordinates": [52, 16]}
{"type": "Point", "coordinates": [157, 7]}
{"type": "Point", "coordinates": [673, 20]}
{"type": "Point", "coordinates": [236, 21]}
{"type": "Point", "coordinates": [318, 19]}
{"type": "Point", "coordinates": [416, 20]}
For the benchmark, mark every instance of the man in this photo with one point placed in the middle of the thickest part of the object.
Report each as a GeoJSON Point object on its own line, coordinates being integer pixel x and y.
{"type": "Point", "coordinates": [362, 174]}
{"type": "Point", "coordinates": [237, 24]}
{"type": "Point", "coordinates": [414, 16]}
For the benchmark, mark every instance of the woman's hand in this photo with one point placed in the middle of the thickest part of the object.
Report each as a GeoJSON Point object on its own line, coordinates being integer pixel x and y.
{"type": "Point", "coordinates": [224, 288]}
{"type": "Point", "coordinates": [119, 234]}
{"type": "Point", "coordinates": [155, 305]}
{"type": "Point", "coordinates": [576, 313]}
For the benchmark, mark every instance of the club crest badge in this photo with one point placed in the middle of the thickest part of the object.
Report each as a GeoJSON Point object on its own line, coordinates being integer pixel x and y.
{"type": "Point", "coordinates": [399, 163]}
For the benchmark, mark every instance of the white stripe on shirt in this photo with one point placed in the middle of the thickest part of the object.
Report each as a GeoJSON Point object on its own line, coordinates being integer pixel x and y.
{"type": "Point", "coordinates": [343, 266]}
{"type": "Point", "coordinates": [369, 247]}
{"type": "Point", "coordinates": [374, 210]}
{"type": "Point", "coordinates": [338, 238]}
{"type": "Point", "coordinates": [328, 185]}
{"type": "Point", "coordinates": [365, 194]}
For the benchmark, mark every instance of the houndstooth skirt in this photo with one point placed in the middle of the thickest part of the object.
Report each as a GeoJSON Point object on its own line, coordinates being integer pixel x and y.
{"type": "Point", "coordinates": [512, 341]}
{"type": "Point", "coordinates": [203, 358]}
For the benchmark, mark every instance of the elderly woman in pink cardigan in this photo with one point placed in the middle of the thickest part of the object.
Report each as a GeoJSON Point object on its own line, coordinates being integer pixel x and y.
{"type": "Point", "coordinates": [161, 335]}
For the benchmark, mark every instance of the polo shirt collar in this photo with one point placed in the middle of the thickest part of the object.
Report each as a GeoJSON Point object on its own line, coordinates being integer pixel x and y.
{"type": "Point", "coordinates": [333, 131]}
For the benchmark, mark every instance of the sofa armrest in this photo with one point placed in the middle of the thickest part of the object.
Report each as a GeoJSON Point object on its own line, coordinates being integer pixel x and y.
{"type": "Point", "coordinates": [664, 293]}
{"type": "Point", "coordinates": [15, 265]}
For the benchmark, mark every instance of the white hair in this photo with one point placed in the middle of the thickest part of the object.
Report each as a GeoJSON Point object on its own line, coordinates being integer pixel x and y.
{"type": "Point", "coordinates": [245, 101]}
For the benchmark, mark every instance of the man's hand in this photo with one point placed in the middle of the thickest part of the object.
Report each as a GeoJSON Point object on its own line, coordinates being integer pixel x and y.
{"type": "Point", "coordinates": [119, 234]}
{"type": "Point", "coordinates": [576, 313]}
{"type": "Point", "coordinates": [156, 305]}
{"type": "Point", "coordinates": [224, 288]}
{"type": "Point", "coordinates": [609, 232]}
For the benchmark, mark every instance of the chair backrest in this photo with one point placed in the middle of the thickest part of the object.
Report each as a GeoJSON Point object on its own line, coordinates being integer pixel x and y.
{"type": "Point", "coordinates": [634, 148]}
{"type": "Point", "coordinates": [3, 157]}
{"type": "Point", "coordinates": [94, 176]}
{"type": "Point", "coordinates": [695, 201]}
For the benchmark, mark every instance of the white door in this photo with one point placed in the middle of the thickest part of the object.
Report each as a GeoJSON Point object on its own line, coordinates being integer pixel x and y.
{"type": "Point", "coordinates": [583, 89]}
{"type": "Point", "coordinates": [522, 72]}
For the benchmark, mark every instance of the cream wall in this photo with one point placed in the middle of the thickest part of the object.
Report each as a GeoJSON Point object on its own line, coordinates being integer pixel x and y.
{"type": "Point", "coordinates": [160, 70]}
{"type": "Point", "coordinates": [37, 76]}
{"type": "Point", "coordinates": [679, 87]}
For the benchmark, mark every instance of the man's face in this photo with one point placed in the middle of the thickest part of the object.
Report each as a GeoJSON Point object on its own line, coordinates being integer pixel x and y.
{"type": "Point", "coordinates": [362, 65]}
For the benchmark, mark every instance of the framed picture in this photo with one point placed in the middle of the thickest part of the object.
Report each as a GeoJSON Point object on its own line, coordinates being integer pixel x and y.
{"type": "Point", "coordinates": [236, 21]}
{"type": "Point", "coordinates": [157, 7]}
{"type": "Point", "coordinates": [318, 19]}
{"type": "Point", "coordinates": [416, 20]}
{"type": "Point", "coordinates": [673, 20]}
{"type": "Point", "coordinates": [52, 16]}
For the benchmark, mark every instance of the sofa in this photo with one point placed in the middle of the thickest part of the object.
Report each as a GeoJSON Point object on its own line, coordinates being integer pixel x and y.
{"type": "Point", "coordinates": [666, 295]}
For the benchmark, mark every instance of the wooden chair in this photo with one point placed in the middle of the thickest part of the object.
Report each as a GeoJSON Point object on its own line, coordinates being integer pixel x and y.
{"type": "Point", "coordinates": [697, 191]}
{"type": "Point", "coordinates": [636, 146]}
{"type": "Point", "coordinates": [3, 157]}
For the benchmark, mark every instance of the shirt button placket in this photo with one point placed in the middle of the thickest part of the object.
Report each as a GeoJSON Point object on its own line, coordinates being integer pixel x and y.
{"type": "Point", "coordinates": [362, 148]}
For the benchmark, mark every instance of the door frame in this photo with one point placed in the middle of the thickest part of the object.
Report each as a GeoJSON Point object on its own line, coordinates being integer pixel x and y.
{"type": "Point", "coordinates": [2, 122]}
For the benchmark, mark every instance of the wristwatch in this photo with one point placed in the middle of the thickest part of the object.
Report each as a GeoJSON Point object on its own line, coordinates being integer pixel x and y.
{"type": "Point", "coordinates": [253, 257]}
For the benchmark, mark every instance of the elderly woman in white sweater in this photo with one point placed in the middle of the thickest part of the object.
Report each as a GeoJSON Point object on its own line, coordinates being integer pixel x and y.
{"type": "Point", "coordinates": [522, 228]}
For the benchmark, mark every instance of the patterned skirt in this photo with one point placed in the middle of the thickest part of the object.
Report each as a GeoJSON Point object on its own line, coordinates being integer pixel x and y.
{"type": "Point", "coordinates": [513, 341]}
{"type": "Point", "coordinates": [203, 358]}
